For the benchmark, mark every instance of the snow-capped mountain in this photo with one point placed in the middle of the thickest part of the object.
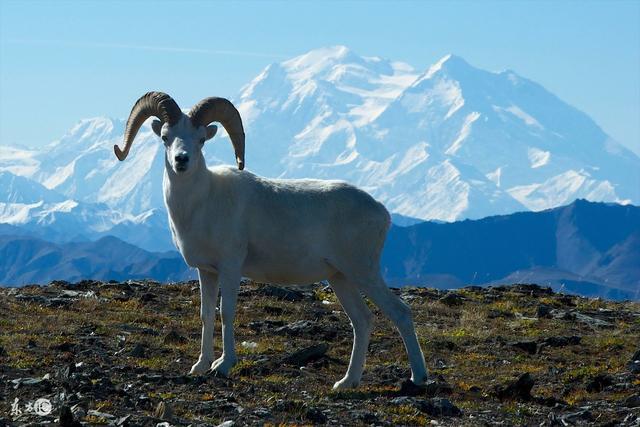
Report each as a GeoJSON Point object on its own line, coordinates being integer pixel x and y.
{"type": "Point", "coordinates": [29, 208]}
{"type": "Point", "coordinates": [448, 143]}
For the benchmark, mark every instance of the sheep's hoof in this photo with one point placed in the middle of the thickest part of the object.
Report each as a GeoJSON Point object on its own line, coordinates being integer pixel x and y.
{"type": "Point", "coordinates": [421, 381]}
{"type": "Point", "coordinates": [200, 367]}
{"type": "Point", "coordinates": [345, 384]}
{"type": "Point", "coordinates": [222, 366]}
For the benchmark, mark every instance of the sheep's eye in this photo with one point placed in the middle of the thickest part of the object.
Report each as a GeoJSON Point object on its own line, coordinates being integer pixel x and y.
{"type": "Point", "coordinates": [164, 138]}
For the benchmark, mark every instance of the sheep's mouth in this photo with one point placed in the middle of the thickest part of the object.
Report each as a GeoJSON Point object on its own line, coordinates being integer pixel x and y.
{"type": "Point", "coordinates": [181, 168]}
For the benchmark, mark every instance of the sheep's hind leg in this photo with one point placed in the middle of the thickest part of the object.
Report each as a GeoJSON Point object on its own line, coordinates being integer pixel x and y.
{"type": "Point", "coordinates": [362, 322]}
{"type": "Point", "coordinates": [229, 285]}
{"type": "Point", "coordinates": [400, 314]}
{"type": "Point", "coordinates": [208, 299]}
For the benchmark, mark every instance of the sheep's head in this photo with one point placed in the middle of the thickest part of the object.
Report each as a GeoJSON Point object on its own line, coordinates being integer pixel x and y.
{"type": "Point", "coordinates": [183, 135]}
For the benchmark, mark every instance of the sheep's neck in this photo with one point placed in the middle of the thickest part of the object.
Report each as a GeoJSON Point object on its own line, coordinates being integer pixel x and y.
{"type": "Point", "coordinates": [183, 195]}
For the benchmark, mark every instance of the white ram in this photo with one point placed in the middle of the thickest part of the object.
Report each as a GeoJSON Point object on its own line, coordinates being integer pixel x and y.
{"type": "Point", "coordinates": [230, 223]}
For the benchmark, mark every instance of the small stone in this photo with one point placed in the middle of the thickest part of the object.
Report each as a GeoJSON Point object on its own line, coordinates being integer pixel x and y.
{"type": "Point", "coordinates": [435, 388]}
{"type": "Point", "coordinates": [163, 411]}
{"type": "Point", "coordinates": [123, 421]}
{"type": "Point", "coordinates": [408, 388]}
{"type": "Point", "coordinates": [273, 310]}
{"type": "Point", "coordinates": [530, 347]}
{"type": "Point", "coordinates": [173, 337]}
{"type": "Point", "coordinates": [308, 354]}
{"type": "Point", "coordinates": [139, 350]}
{"type": "Point", "coordinates": [262, 413]}
{"type": "Point", "coordinates": [228, 423]}
{"type": "Point", "coordinates": [543, 311]}
{"type": "Point", "coordinates": [519, 389]}
{"type": "Point", "coordinates": [438, 407]}
{"type": "Point", "coordinates": [599, 383]}
{"type": "Point", "coordinates": [100, 414]}
{"type": "Point", "coordinates": [577, 418]}
{"type": "Point", "coordinates": [148, 296]}
{"type": "Point", "coordinates": [561, 341]}
{"type": "Point", "coordinates": [365, 417]}
{"type": "Point", "coordinates": [451, 299]}
{"type": "Point", "coordinates": [634, 363]}
{"type": "Point", "coordinates": [282, 293]}
{"type": "Point", "coordinates": [78, 411]}
{"type": "Point", "coordinates": [315, 415]}
{"type": "Point", "coordinates": [66, 371]}
{"type": "Point", "coordinates": [632, 401]}
{"type": "Point", "coordinates": [307, 328]}
{"type": "Point", "coordinates": [66, 418]}
{"type": "Point", "coordinates": [592, 321]}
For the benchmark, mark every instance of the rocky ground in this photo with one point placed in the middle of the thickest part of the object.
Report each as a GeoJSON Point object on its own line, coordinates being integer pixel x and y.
{"type": "Point", "coordinates": [117, 354]}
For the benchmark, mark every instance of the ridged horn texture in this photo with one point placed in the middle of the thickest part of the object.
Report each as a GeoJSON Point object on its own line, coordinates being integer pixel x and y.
{"type": "Point", "coordinates": [156, 104]}
{"type": "Point", "coordinates": [221, 110]}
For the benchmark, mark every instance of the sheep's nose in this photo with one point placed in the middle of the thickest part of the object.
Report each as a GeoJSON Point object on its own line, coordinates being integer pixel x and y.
{"type": "Point", "coordinates": [181, 158]}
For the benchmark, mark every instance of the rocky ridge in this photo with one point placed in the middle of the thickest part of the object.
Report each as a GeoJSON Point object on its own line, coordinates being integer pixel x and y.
{"type": "Point", "coordinates": [116, 353]}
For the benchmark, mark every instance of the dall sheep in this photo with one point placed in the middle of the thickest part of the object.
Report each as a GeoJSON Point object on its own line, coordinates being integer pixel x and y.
{"type": "Point", "coordinates": [230, 223]}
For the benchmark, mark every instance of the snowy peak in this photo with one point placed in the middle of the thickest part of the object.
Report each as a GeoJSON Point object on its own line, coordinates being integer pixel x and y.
{"type": "Point", "coordinates": [452, 142]}
{"type": "Point", "coordinates": [327, 80]}
{"type": "Point", "coordinates": [18, 189]}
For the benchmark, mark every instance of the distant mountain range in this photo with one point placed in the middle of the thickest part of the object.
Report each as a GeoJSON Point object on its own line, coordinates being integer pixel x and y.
{"type": "Point", "coordinates": [448, 143]}
{"type": "Point", "coordinates": [28, 260]}
{"type": "Point", "coordinates": [586, 248]}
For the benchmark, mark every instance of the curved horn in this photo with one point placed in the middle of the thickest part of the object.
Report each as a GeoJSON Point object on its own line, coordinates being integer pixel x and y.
{"type": "Point", "coordinates": [155, 104]}
{"type": "Point", "coordinates": [221, 110]}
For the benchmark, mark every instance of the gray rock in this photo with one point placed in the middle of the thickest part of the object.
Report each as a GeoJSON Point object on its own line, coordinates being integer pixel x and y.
{"type": "Point", "coordinates": [100, 414]}
{"type": "Point", "coordinates": [308, 354]}
{"type": "Point", "coordinates": [139, 350]}
{"type": "Point", "coordinates": [315, 415]}
{"type": "Point", "coordinates": [577, 418]}
{"type": "Point", "coordinates": [262, 413]}
{"type": "Point", "coordinates": [66, 418]}
{"type": "Point", "coordinates": [265, 325]}
{"type": "Point", "coordinates": [632, 401]}
{"type": "Point", "coordinates": [599, 383]}
{"type": "Point", "coordinates": [282, 293]}
{"type": "Point", "coordinates": [408, 388]}
{"type": "Point", "coordinates": [543, 311]}
{"type": "Point", "coordinates": [438, 407]}
{"type": "Point", "coordinates": [634, 363]}
{"type": "Point", "coordinates": [561, 341]}
{"type": "Point", "coordinates": [530, 347]}
{"type": "Point", "coordinates": [173, 337]}
{"type": "Point", "coordinates": [123, 421]}
{"type": "Point", "coordinates": [164, 411]}
{"type": "Point", "coordinates": [592, 321]}
{"type": "Point", "coordinates": [364, 416]}
{"type": "Point", "coordinates": [519, 389]}
{"type": "Point", "coordinates": [451, 299]}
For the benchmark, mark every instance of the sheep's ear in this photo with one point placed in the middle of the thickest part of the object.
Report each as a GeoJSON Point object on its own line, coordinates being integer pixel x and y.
{"type": "Point", "coordinates": [156, 125]}
{"type": "Point", "coordinates": [211, 131]}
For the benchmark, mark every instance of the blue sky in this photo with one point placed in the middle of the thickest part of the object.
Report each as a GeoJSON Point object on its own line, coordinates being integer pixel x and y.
{"type": "Point", "coordinates": [63, 61]}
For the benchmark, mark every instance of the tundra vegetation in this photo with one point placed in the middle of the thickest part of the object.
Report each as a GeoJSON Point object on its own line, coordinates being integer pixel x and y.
{"type": "Point", "coordinates": [109, 353]}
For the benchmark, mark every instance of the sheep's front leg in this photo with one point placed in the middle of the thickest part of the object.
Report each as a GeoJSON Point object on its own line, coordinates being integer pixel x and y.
{"type": "Point", "coordinates": [208, 299]}
{"type": "Point", "coordinates": [229, 284]}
